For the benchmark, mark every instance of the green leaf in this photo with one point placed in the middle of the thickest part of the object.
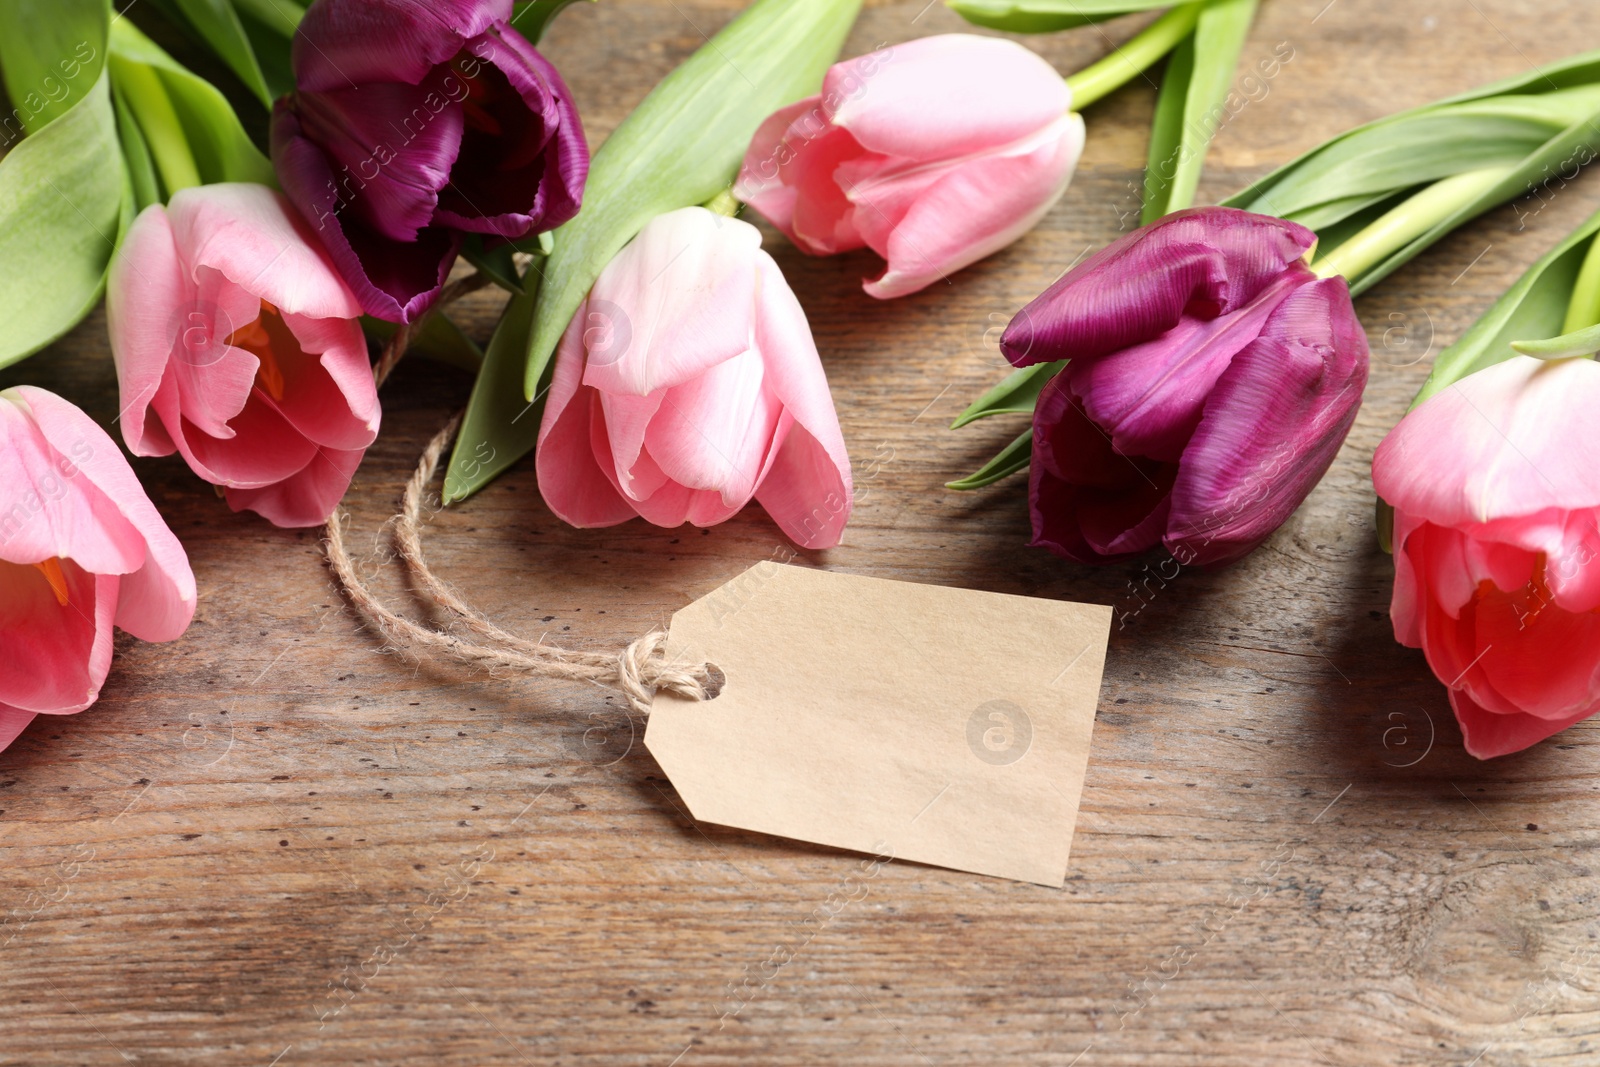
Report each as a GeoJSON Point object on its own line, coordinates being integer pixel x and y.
{"type": "Point", "coordinates": [51, 55]}
{"type": "Point", "coordinates": [1541, 125]}
{"type": "Point", "coordinates": [1535, 307]}
{"type": "Point", "coordinates": [63, 204]}
{"type": "Point", "coordinates": [218, 24]}
{"type": "Point", "coordinates": [282, 17]}
{"type": "Point", "coordinates": [500, 427]}
{"type": "Point", "coordinates": [1046, 16]}
{"type": "Point", "coordinates": [1412, 150]}
{"type": "Point", "coordinates": [143, 183]}
{"type": "Point", "coordinates": [207, 124]}
{"type": "Point", "coordinates": [1191, 107]}
{"type": "Point", "coordinates": [683, 144]}
{"type": "Point", "coordinates": [1585, 342]}
{"type": "Point", "coordinates": [532, 17]}
{"type": "Point", "coordinates": [496, 262]}
{"type": "Point", "coordinates": [437, 338]}
{"type": "Point", "coordinates": [1016, 394]}
{"type": "Point", "coordinates": [1012, 458]}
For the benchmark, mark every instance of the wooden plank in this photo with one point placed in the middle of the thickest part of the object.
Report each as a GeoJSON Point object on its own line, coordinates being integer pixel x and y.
{"type": "Point", "coordinates": [270, 843]}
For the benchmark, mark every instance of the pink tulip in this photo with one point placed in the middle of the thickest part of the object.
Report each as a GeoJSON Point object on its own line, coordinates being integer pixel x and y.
{"type": "Point", "coordinates": [933, 153]}
{"type": "Point", "coordinates": [237, 345]}
{"type": "Point", "coordinates": [688, 384]}
{"type": "Point", "coordinates": [1497, 546]}
{"type": "Point", "coordinates": [82, 549]}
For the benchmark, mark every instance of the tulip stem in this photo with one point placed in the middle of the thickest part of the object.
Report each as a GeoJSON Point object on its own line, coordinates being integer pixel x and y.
{"type": "Point", "coordinates": [163, 132]}
{"type": "Point", "coordinates": [724, 203]}
{"type": "Point", "coordinates": [1132, 59]}
{"type": "Point", "coordinates": [1583, 309]}
{"type": "Point", "coordinates": [1406, 222]}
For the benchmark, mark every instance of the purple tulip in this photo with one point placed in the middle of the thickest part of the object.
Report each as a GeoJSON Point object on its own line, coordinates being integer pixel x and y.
{"type": "Point", "coordinates": [413, 123]}
{"type": "Point", "coordinates": [1212, 378]}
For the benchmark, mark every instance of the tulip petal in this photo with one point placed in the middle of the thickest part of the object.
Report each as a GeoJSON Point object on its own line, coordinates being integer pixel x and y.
{"type": "Point", "coordinates": [392, 145]}
{"type": "Point", "coordinates": [678, 300]}
{"type": "Point", "coordinates": [157, 598]}
{"type": "Point", "coordinates": [12, 722]}
{"type": "Point", "coordinates": [825, 220]}
{"type": "Point", "coordinates": [306, 497]}
{"type": "Point", "coordinates": [50, 506]}
{"type": "Point", "coordinates": [328, 392]}
{"type": "Point", "coordinates": [522, 168]}
{"type": "Point", "coordinates": [1544, 663]}
{"type": "Point", "coordinates": [57, 655]}
{"type": "Point", "coordinates": [715, 431]}
{"type": "Point", "coordinates": [944, 96]}
{"type": "Point", "coordinates": [149, 298]}
{"type": "Point", "coordinates": [1088, 502]}
{"type": "Point", "coordinates": [1513, 439]}
{"type": "Point", "coordinates": [627, 422]}
{"type": "Point", "coordinates": [761, 182]}
{"type": "Point", "coordinates": [264, 447]}
{"type": "Point", "coordinates": [808, 488]}
{"type": "Point", "coordinates": [253, 237]}
{"type": "Point", "coordinates": [579, 488]}
{"type": "Point", "coordinates": [391, 280]}
{"type": "Point", "coordinates": [1202, 261]}
{"type": "Point", "coordinates": [1150, 397]}
{"type": "Point", "coordinates": [1487, 734]}
{"type": "Point", "coordinates": [344, 43]}
{"type": "Point", "coordinates": [970, 210]}
{"type": "Point", "coordinates": [1271, 427]}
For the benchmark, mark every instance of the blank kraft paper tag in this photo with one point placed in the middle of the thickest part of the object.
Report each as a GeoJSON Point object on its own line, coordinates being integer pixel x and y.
{"type": "Point", "coordinates": [945, 726]}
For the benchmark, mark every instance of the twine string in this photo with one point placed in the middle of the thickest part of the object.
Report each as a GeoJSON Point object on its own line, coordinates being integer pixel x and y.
{"type": "Point", "coordinates": [637, 671]}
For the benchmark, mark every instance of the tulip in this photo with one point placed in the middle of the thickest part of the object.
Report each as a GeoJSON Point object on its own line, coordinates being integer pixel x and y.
{"type": "Point", "coordinates": [1497, 546]}
{"type": "Point", "coordinates": [934, 154]}
{"type": "Point", "coordinates": [237, 344]}
{"type": "Point", "coordinates": [688, 384]}
{"type": "Point", "coordinates": [1212, 378]}
{"type": "Point", "coordinates": [82, 549]}
{"type": "Point", "coordinates": [413, 124]}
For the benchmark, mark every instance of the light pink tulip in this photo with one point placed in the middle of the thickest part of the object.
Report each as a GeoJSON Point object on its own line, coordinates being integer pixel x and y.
{"type": "Point", "coordinates": [237, 345]}
{"type": "Point", "coordinates": [82, 549]}
{"type": "Point", "coordinates": [1497, 546]}
{"type": "Point", "coordinates": [933, 153]}
{"type": "Point", "coordinates": [688, 384]}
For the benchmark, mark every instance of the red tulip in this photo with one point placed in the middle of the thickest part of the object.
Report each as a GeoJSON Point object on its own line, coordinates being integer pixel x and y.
{"type": "Point", "coordinates": [1211, 380]}
{"type": "Point", "coordinates": [933, 153]}
{"type": "Point", "coordinates": [1497, 546]}
{"type": "Point", "coordinates": [237, 344]}
{"type": "Point", "coordinates": [82, 549]}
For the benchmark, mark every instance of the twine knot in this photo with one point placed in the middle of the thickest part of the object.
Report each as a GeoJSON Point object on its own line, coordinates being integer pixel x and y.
{"type": "Point", "coordinates": [638, 671]}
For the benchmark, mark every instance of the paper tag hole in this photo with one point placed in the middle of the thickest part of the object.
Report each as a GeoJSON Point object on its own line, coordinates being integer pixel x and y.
{"type": "Point", "coordinates": [715, 681]}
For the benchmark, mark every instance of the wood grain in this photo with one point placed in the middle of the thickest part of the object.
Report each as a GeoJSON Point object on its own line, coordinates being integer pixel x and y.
{"type": "Point", "coordinates": [270, 844]}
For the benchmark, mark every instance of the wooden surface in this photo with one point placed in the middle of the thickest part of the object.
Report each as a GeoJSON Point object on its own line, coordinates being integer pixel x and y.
{"type": "Point", "coordinates": [269, 844]}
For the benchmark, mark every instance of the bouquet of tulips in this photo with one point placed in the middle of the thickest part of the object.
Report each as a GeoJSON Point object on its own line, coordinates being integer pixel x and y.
{"type": "Point", "coordinates": [1188, 384]}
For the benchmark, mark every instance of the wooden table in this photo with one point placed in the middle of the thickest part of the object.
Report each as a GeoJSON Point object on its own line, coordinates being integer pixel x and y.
{"type": "Point", "coordinates": [269, 843]}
